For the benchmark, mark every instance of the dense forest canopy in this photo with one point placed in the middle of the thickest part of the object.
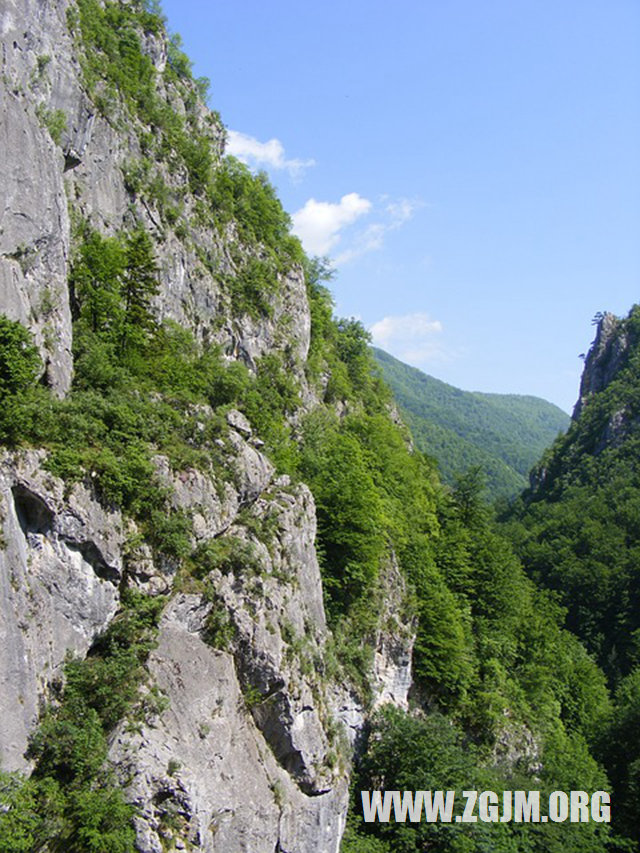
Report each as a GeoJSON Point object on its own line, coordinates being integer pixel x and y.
{"type": "Point", "coordinates": [503, 434]}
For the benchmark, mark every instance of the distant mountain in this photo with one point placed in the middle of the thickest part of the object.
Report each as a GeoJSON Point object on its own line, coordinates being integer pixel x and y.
{"type": "Point", "coordinates": [504, 434]}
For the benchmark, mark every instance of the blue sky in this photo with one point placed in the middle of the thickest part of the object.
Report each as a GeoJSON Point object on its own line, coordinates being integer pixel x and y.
{"type": "Point", "coordinates": [472, 168]}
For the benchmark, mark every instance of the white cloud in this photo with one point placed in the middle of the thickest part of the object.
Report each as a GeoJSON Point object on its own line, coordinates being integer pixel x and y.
{"type": "Point", "coordinates": [401, 211]}
{"type": "Point", "coordinates": [413, 338]}
{"type": "Point", "coordinates": [318, 223]}
{"type": "Point", "coordinates": [369, 239]}
{"type": "Point", "coordinates": [269, 154]}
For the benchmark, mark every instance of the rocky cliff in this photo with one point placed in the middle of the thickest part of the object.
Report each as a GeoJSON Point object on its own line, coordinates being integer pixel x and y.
{"type": "Point", "coordinates": [607, 355]}
{"type": "Point", "coordinates": [224, 569]}
{"type": "Point", "coordinates": [251, 743]}
{"type": "Point", "coordinates": [63, 153]}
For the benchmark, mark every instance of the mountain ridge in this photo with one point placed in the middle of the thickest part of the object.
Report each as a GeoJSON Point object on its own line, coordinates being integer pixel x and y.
{"type": "Point", "coordinates": [504, 434]}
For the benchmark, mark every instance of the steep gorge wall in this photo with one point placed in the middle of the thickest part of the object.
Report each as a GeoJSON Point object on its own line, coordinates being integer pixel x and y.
{"type": "Point", "coordinates": [34, 220]}
{"type": "Point", "coordinates": [252, 749]}
{"type": "Point", "coordinates": [85, 170]}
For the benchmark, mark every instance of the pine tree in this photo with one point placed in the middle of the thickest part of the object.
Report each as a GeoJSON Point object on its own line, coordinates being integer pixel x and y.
{"type": "Point", "coordinates": [139, 286]}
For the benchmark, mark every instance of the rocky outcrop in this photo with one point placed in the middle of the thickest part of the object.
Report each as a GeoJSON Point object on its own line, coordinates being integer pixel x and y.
{"type": "Point", "coordinates": [517, 747]}
{"type": "Point", "coordinates": [34, 222]}
{"type": "Point", "coordinates": [60, 152]}
{"type": "Point", "coordinates": [60, 565]}
{"type": "Point", "coordinates": [203, 774]}
{"type": "Point", "coordinates": [252, 750]}
{"type": "Point", "coordinates": [394, 642]}
{"type": "Point", "coordinates": [245, 755]}
{"type": "Point", "coordinates": [616, 339]}
{"type": "Point", "coordinates": [606, 357]}
{"type": "Point", "coordinates": [276, 609]}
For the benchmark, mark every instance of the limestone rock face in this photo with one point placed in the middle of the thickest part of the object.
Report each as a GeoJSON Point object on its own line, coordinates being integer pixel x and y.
{"type": "Point", "coordinates": [252, 751]}
{"type": "Point", "coordinates": [244, 756]}
{"type": "Point", "coordinates": [60, 564]}
{"type": "Point", "coordinates": [608, 355]}
{"type": "Point", "coordinates": [279, 632]}
{"type": "Point", "coordinates": [34, 223]}
{"type": "Point", "coordinates": [605, 358]}
{"type": "Point", "coordinates": [206, 772]}
{"type": "Point", "coordinates": [395, 640]}
{"type": "Point", "coordinates": [60, 151]}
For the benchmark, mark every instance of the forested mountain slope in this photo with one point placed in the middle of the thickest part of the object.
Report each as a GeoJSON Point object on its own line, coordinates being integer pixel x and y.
{"type": "Point", "coordinates": [577, 531]}
{"type": "Point", "coordinates": [231, 594]}
{"type": "Point", "coordinates": [503, 434]}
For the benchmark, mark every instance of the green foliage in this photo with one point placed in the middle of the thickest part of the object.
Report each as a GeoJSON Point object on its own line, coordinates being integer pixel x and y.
{"type": "Point", "coordinates": [228, 554]}
{"type": "Point", "coordinates": [179, 62]}
{"type": "Point", "coordinates": [316, 272]}
{"type": "Point", "coordinates": [620, 749]}
{"type": "Point", "coordinates": [96, 278]}
{"type": "Point", "coordinates": [490, 655]}
{"type": "Point", "coordinates": [100, 822]}
{"type": "Point", "coordinates": [19, 368]}
{"type": "Point", "coordinates": [30, 812]}
{"type": "Point", "coordinates": [349, 509]}
{"type": "Point", "coordinates": [578, 530]}
{"type": "Point", "coordinates": [19, 359]}
{"type": "Point", "coordinates": [409, 753]}
{"type": "Point", "coordinates": [219, 630]}
{"type": "Point", "coordinates": [71, 801]}
{"type": "Point", "coordinates": [118, 72]}
{"type": "Point", "coordinates": [503, 434]}
{"type": "Point", "coordinates": [518, 656]}
{"type": "Point", "coordinates": [250, 201]}
{"type": "Point", "coordinates": [486, 643]}
{"type": "Point", "coordinates": [138, 390]}
{"type": "Point", "coordinates": [268, 401]}
{"type": "Point", "coordinates": [121, 77]}
{"type": "Point", "coordinates": [140, 285]}
{"type": "Point", "coordinates": [252, 288]}
{"type": "Point", "coordinates": [107, 680]}
{"type": "Point", "coordinates": [111, 36]}
{"type": "Point", "coordinates": [69, 745]}
{"type": "Point", "coordinates": [54, 120]}
{"type": "Point", "coordinates": [114, 281]}
{"type": "Point", "coordinates": [586, 545]}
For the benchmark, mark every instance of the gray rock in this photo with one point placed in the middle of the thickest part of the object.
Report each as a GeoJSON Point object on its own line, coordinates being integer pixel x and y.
{"type": "Point", "coordinates": [394, 642]}
{"type": "Point", "coordinates": [34, 223]}
{"type": "Point", "coordinates": [41, 75]}
{"type": "Point", "coordinates": [212, 501]}
{"type": "Point", "coordinates": [239, 422]}
{"type": "Point", "coordinates": [605, 358]}
{"type": "Point", "coordinates": [516, 746]}
{"type": "Point", "coordinates": [60, 564]}
{"type": "Point", "coordinates": [203, 773]}
{"type": "Point", "coordinates": [280, 629]}
{"type": "Point", "coordinates": [249, 754]}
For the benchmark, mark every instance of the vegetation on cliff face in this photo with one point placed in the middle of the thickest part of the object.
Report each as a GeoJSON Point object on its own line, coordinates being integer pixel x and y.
{"type": "Point", "coordinates": [72, 800]}
{"type": "Point", "coordinates": [505, 697]}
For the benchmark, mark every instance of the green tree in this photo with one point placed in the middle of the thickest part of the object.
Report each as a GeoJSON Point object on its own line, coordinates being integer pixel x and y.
{"type": "Point", "coordinates": [19, 359]}
{"type": "Point", "coordinates": [19, 368]}
{"type": "Point", "coordinates": [621, 751]}
{"type": "Point", "coordinates": [139, 286]}
{"type": "Point", "coordinates": [96, 280]}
